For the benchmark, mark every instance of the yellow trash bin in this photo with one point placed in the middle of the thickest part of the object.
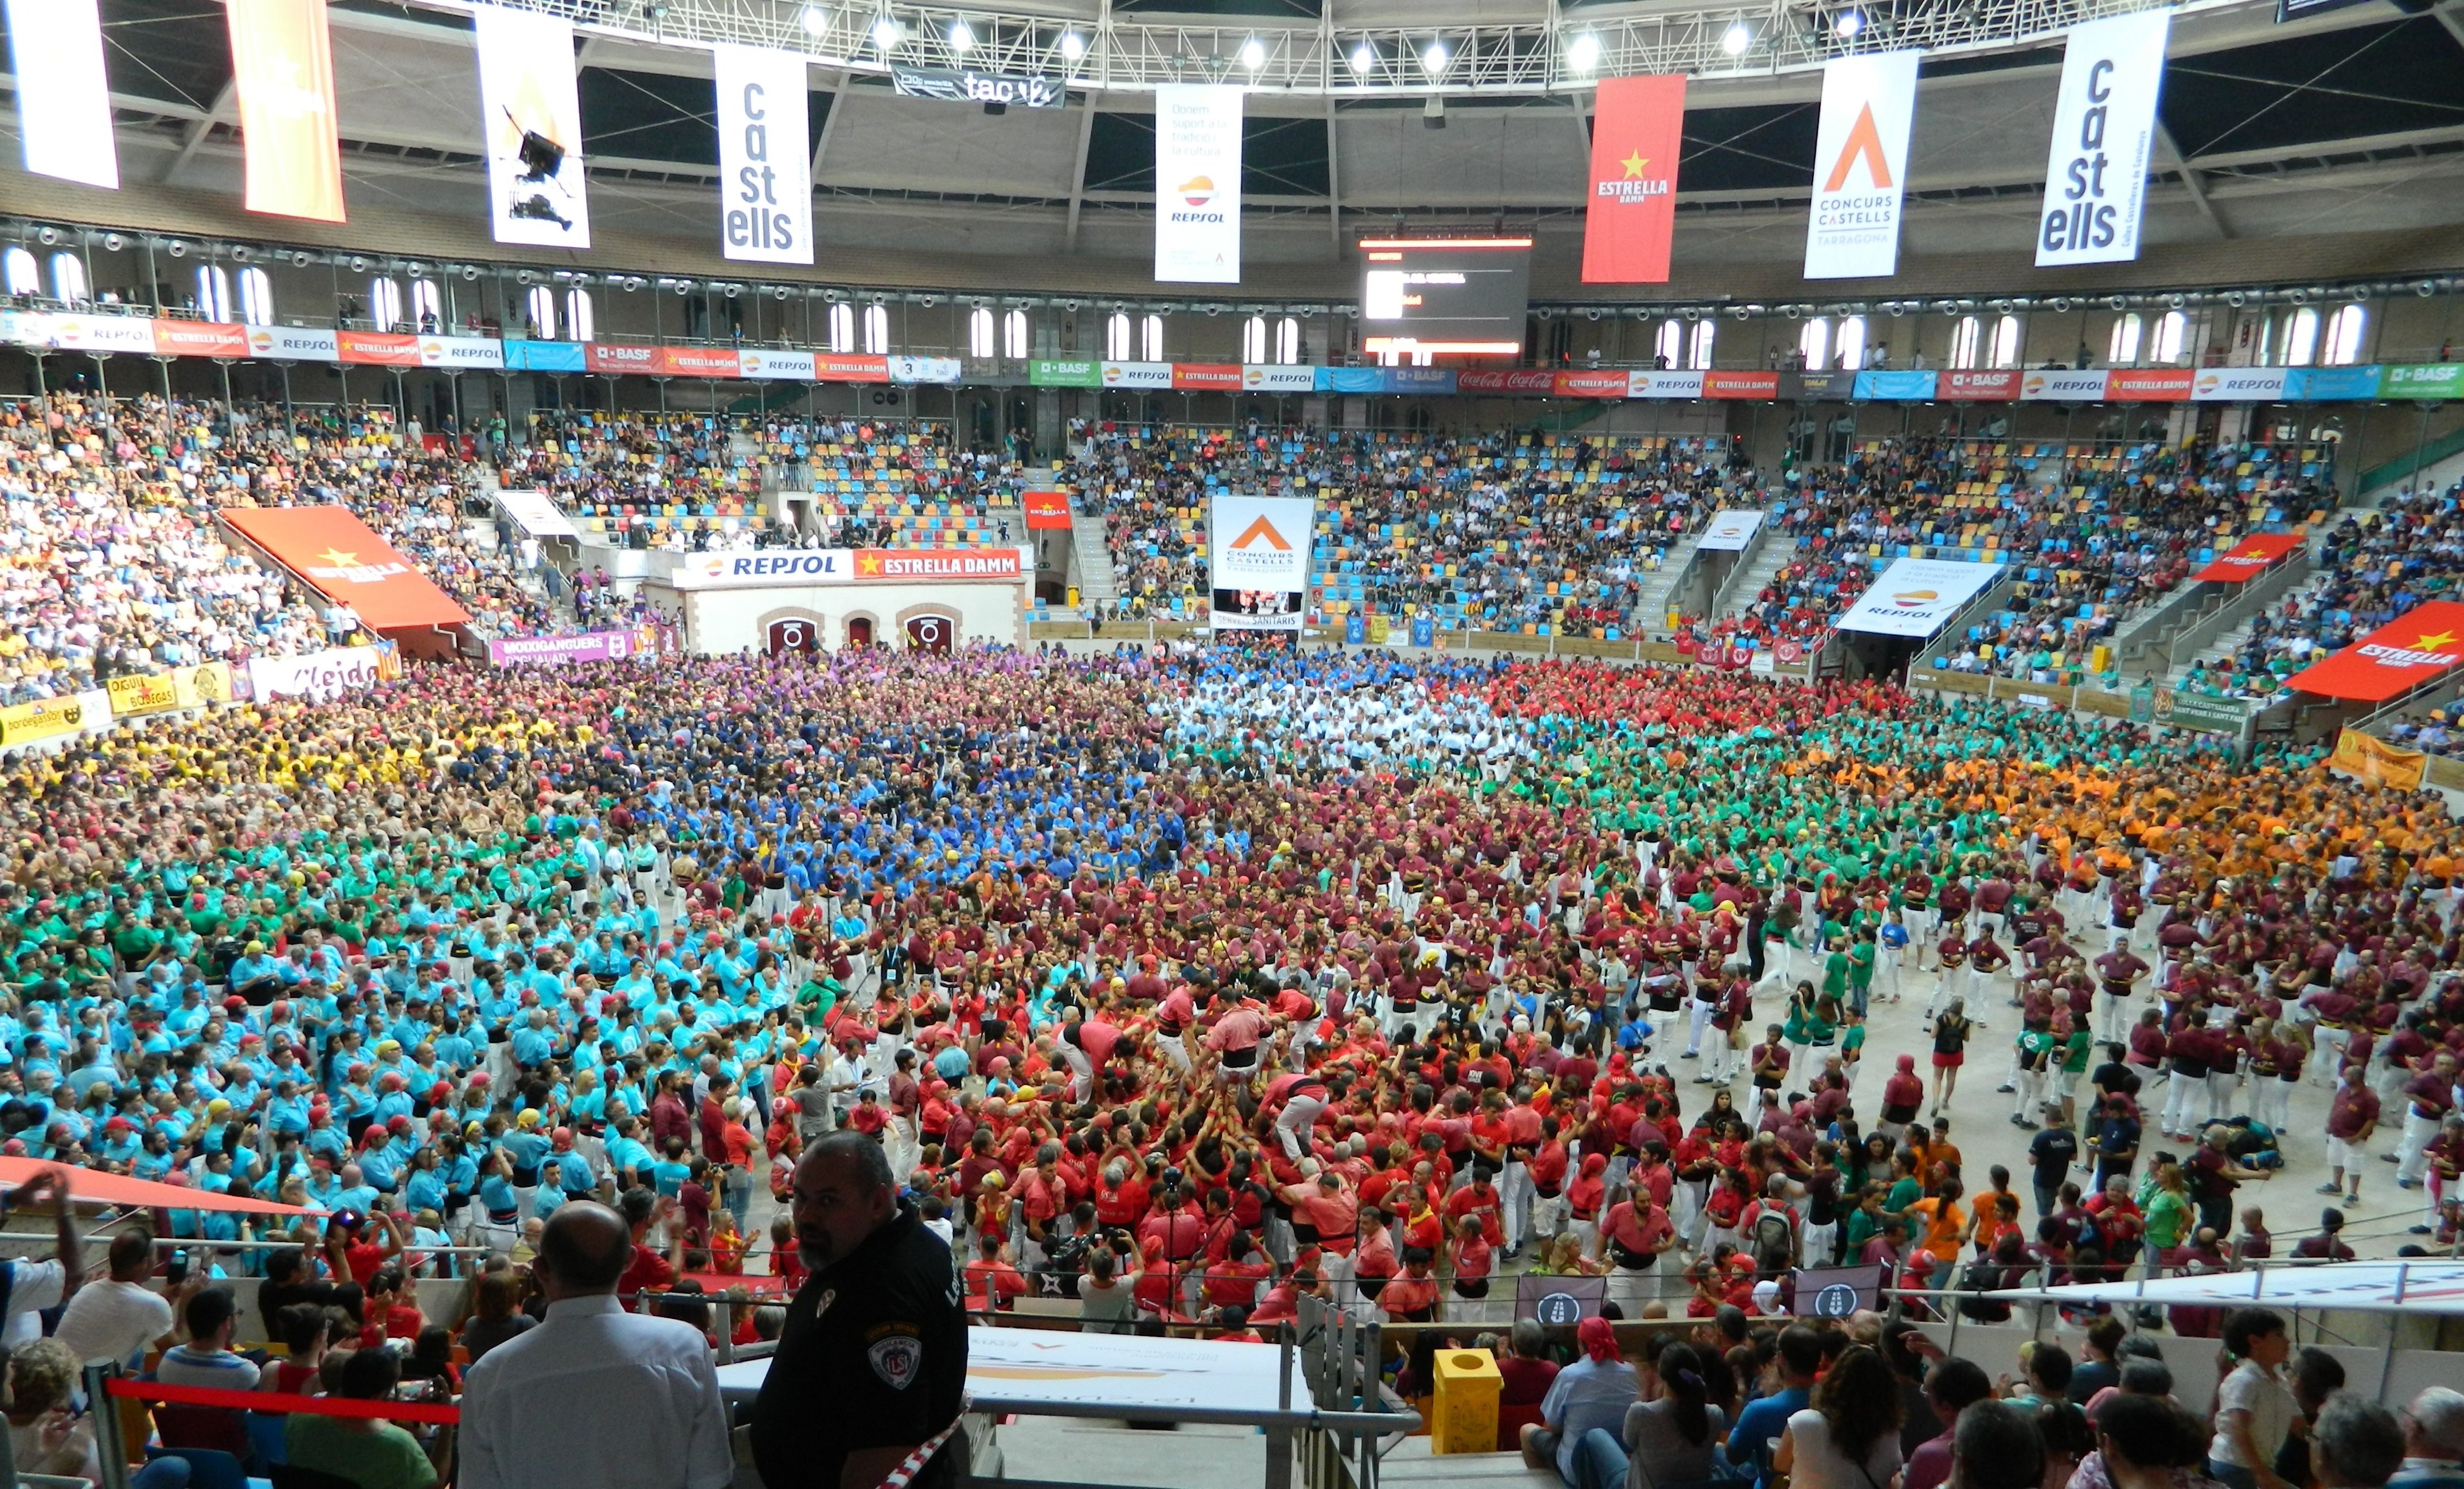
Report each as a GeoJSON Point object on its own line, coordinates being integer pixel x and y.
{"type": "Point", "coordinates": [1464, 1412]}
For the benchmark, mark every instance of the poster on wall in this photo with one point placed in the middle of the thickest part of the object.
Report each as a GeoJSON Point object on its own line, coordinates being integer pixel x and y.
{"type": "Point", "coordinates": [532, 123]}
{"type": "Point", "coordinates": [63, 98]}
{"type": "Point", "coordinates": [1638, 125]}
{"type": "Point", "coordinates": [1860, 166]}
{"type": "Point", "coordinates": [1258, 552]}
{"type": "Point", "coordinates": [1197, 183]}
{"type": "Point", "coordinates": [765, 213]}
{"type": "Point", "coordinates": [282, 68]}
{"type": "Point", "coordinates": [2104, 125]}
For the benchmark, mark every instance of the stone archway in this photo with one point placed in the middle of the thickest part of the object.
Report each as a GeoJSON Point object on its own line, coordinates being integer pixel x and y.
{"type": "Point", "coordinates": [790, 631]}
{"type": "Point", "coordinates": [929, 627]}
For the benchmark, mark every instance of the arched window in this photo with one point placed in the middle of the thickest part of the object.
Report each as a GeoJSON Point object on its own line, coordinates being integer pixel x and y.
{"type": "Point", "coordinates": [1151, 338]}
{"type": "Point", "coordinates": [579, 321]}
{"type": "Point", "coordinates": [979, 332]}
{"type": "Point", "coordinates": [876, 330]}
{"type": "Point", "coordinates": [1287, 342]}
{"type": "Point", "coordinates": [2006, 341]}
{"type": "Point", "coordinates": [255, 298]}
{"type": "Point", "coordinates": [1814, 342]}
{"type": "Point", "coordinates": [1014, 340]}
{"type": "Point", "coordinates": [428, 306]}
{"type": "Point", "coordinates": [2299, 343]}
{"type": "Point", "coordinates": [1698, 356]}
{"type": "Point", "coordinates": [2171, 328]}
{"type": "Point", "coordinates": [1116, 336]}
{"type": "Point", "coordinates": [842, 323]}
{"type": "Point", "coordinates": [1253, 339]}
{"type": "Point", "coordinates": [539, 305]}
{"type": "Point", "coordinates": [2343, 346]}
{"type": "Point", "coordinates": [68, 280]}
{"type": "Point", "coordinates": [1850, 346]}
{"type": "Point", "coordinates": [1964, 337]}
{"type": "Point", "coordinates": [22, 274]}
{"type": "Point", "coordinates": [2122, 348]}
{"type": "Point", "coordinates": [384, 306]}
{"type": "Point", "coordinates": [214, 292]}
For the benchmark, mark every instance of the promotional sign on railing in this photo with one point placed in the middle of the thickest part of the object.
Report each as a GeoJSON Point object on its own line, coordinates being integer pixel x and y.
{"type": "Point", "coordinates": [546, 357]}
{"type": "Point", "coordinates": [2330, 384]}
{"type": "Point", "coordinates": [2147, 386]}
{"type": "Point", "coordinates": [1153, 375]}
{"type": "Point", "coordinates": [1968, 387]}
{"type": "Point", "coordinates": [1662, 382]}
{"type": "Point", "coordinates": [1275, 378]}
{"type": "Point", "coordinates": [942, 370]}
{"type": "Point", "coordinates": [1045, 372]}
{"type": "Point", "coordinates": [2437, 380]}
{"type": "Point", "coordinates": [2407, 651]}
{"type": "Point", "coordinates": [1896, 385]}
{"type": "Point", "coordinates": [1741, 384]}
{"type": "Point", "coordinates": [1520, 380]}
{"type": "Point", "coordinates": [2248, 558]}
{"type": "Point", "coordinates": [1915, 595]}
{"type": "Point", "coordinates": [774, 363]}
{"type": "Point", "coordinates": [2239, 384]}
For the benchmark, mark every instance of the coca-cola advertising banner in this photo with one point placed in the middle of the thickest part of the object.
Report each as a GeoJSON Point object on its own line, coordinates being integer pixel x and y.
{"type": "Point", "coordinates": [1521, 379]}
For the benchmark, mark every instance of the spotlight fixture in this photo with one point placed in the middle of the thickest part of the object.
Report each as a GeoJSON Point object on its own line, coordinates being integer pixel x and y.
{"type": "Point", "coordinates": [1070, 306]}
{"type": "Point", "coordinates": [2424, 289]}
{"type": "Point", "coordinates": [1592, 313]}
{"type": "Point", "coordinates": [302, 259]}
{"type": "Point", "coordinates": [1584, 52]}
{"type": "Point", "coordinates": [815, 20]}
{"type": "Point", "coordinates": [735, 289]}
{"type": "Point", "coordinates": [684, 286]}
{"type": "Point", "coordinates": [1364, 57]}
{"type": "Point", "coordinates": [1736, 38]}
{"type": "Point", "coordinates": [2061, 304]}
{"type": "Point", "coordinates": [1433, 60]}
{"type": "Point", "coordinates": [526, 277]}
{"type": "Point", "coordinates": [885, 33]}
{"type": "Point", "coordinates": [1073, 46]}
{"type": "Point", "coordinates": [2177, 301]}
{"type": "Point", "coordinates": [1738, 311]}
{"type": "Point", "coordinates": [2237, 299]}
{"type": "Point", "coordinates": [2298, 297]}
{"type": "Point", "coordinates": [1693, 313]}
{"type": "Point", "coordinates": [1253, 53]}
{"type": "Point", "coordinates": [240, 255]}
{"type": "Point", "coordinates": [1847, 24]}
{"type": "Point", "coordinates": [962, 38]}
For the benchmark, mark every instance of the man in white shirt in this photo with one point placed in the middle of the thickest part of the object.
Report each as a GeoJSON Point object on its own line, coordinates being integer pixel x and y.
{"type": "Point", "coordinates": [35, 1285]}
{"type": "Point", "coordinates": [595, 1397]}
{"type": "Point", "coordinates": [118, 1319]}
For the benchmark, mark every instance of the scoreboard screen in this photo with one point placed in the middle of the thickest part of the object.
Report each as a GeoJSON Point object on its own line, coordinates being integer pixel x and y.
{"type": "Point", "coordinates": [1464, 295]}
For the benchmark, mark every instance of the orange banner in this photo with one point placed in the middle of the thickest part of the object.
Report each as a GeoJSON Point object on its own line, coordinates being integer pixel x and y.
{"type": "Point", "coordinates": [701, 362]}
{"type": "Point", "coordinates": [282, 65]}
{"type": "Point", "coordinates": [1047, 510]}
{"type": "Point", "coordinates": [2248, 558]}
{"type": "Point", "coordinates": [2374, 762]}
{"type": "Point", "coordinates": [379, 348]}
{"type": "Point", "coordinates": [334, 552]}
{"type": "Point", "coordinates": [199, 339]}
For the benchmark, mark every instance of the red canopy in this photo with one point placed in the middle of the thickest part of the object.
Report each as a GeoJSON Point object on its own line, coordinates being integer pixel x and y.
{"type": "Point", "coordinates": [2409, 651]}
{"type": "Point", "coordinates": [90, 1187]}
{"type": "Point", "coordinates": [2248, 558]}
{"type": "Point", "coordinates": [332, 551]}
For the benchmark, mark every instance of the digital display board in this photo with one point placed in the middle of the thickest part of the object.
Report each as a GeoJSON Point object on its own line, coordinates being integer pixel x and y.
{"type": "Point", "coordinates": [1464, 295]}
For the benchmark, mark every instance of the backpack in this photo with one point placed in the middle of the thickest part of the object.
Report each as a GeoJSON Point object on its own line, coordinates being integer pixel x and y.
{"type": "Point", "coordinates": [1774, 1243]}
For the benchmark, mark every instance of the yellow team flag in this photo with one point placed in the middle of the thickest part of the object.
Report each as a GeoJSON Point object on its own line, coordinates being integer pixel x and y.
{"type": "Point", "coordinates": [2373, 762]}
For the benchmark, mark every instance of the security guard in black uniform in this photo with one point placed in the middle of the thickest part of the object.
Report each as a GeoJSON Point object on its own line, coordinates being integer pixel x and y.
{"type": "Point", "coordinates": [872, 1363]}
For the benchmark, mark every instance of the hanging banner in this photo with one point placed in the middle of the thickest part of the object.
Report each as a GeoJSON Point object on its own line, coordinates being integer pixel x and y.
{"type": "Point", "coordinates": [323, 676]}
{"type": "Point", "coordinates": [775, 364]}
{"type": "Point", "coordinates": [614, 646]}
{"type": "Point", "coordinates": [2248, 558]}
{"type": "Point", "coordinates": [1200, 377]}
{"type": "Point", "coordinates": [2407, 651]}
{"type": "Point", "coordinates": [1637, 126]}
{"type": "Point", "coordinates": [63, 103]}
{"type": "Point", "coordinates": [1741, 384]}
{"type": "Point", "coordinates": [850, 367]}
{"type": "Point", "coordinates": [765, 164]}
{"type": "Point", "coordinates": [1042, 372]}
{"type": "Point", "coordinates": [2059, 386]}
{"type": "Point", "coordinates": [1046, 511]}
{"type": "Point", "coordinates": [1915, 595]}
{"type": "Point", "coordinates": [1521, 379]}
{"type": "Point", "coordinates": [1729, 531]}
{"type": "Point", "coordinates": [1028, 92]}
{"type": "Point", "coordinates": [199, 339]}
{"type": "Point", "coordinates": [282, 68]}
{"type": "Point", "coordinates": [532, 123]}
{"type": "Point", "coordinates": [1860, 166]}
{"type": "Point", "coordinates": [545, 357]}
{"type": "Point", "coordinates": [701, 362]}
{"type": "Point", "coordinates": [1912, 386]}
{"type": "Point", "coordinates": [462, 353]}
{"type": "Point", "coordinates": [1976, 387]}
{"type": "Point", "coordinates": [616, 358]}
{"type": "Point", "coordinates": [2147, 386]}
{"type": "Point", "coordinates": [2323, 384]}
{"type": "Point", "coordinates": [1611, 383]}
{"type": "Point", "coordinates": [1268, 377]}
{"type": "Point", "coordinates": [162, 692]}
{"type": "Point", "coordinates": [51, 718]}
{"type": "Point", "coordinates": [2239, 384]}
{"type": "Point", "coordinates": [293, 343]}
{"type": "Point", "coordinates": [133, 334]}
{"type": "Point", "coordinates": [1648, 382]}
{"type": "Point", "coordinates": [379, 348]}
{"type": "Point", "coordinates": [1258, 553]}
{"type": "Point", "coordinates": [926, 369]}
{"type": "Point", "coordinates": [2104, 125]}
{"type": "Point", "coordinates": [1138, 374]}
{"type": "Point", "coordinates": [2374, 762]}
{"type": "Point", "coordinates": [1197, 183]}
{"type": "Point", "coordinates": [2435, 380]}
{"type": "Point", "coordinates": [534, 514]}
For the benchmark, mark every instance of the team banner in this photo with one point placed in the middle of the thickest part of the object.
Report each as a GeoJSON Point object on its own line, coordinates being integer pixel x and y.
{"type": "Point", "coordinates": [1860, 166]}
{"type": "Point", "coordinates": [765, 164]}
{"type": "Point", "coordinates": [1258, 553]}
{"type": "Point", "coordinates": [533, 121]}
{"type": "Point", "coordinates": [2399, 656]}
{"type": "Point", "coordinates": [163, 692]}
{"type": "Point", "coordinates": [1197, 183]}
{"type": "Point", "coordinates": [334, 552]}
{"type": "Point", "coordinates": [613, 645]}
{"type": "Point", "coordinates": [2104, 125]}
{"type": "Point", "coordinates": [51, 718]}
{"type": "Point", "coordinates": [1915, 595]}
{"type": "Point", "coordinates": [323, 676]}
{"type": "Point", "coordinates": [1729, 531]}
{"type": "Point", "coordinates": [63, 98]}
{"type": "Point", "coordinates": [2248, 558]}
{"type": "Point", "coordinates": [282, 68]}
{"type": "Point", "coordinates": [2374, 762]}
{"type": "Point", "coordinates": [1638, 125]}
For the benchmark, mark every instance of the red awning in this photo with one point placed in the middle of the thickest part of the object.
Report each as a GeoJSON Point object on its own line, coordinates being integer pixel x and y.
{"type": "Point", "coordinates": [2399, 656]}
{"type": "Point", "coordinates": [87, 1187]}
{"type": "Point", "coordinates": [334, 552]}
{"type": "Point", "coordinates": [2248, 558]}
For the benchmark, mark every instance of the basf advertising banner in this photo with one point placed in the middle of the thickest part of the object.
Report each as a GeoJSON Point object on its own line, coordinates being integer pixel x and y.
{"type": "Point", "coordinates": [1860, 162]}
{"type": "Point", "coordinates": [1636, 127]}
{"type": "Point", "coordinates": [2104, 124]}
{"type": "Point", "coordinates": [1258, 550]}
{"type": "Point", "coordinates": [764, 162]}
{"type": "Point", "coordinates": [282, 67]}
{"type": "Point", "coordinates": [63, 98]}
{"type": "Point", "coordinates": [533, 122]}
{"type": "Point", "coordinates": [1197, 183]}
{"type": "Point", "coordinates": [1915, 595]}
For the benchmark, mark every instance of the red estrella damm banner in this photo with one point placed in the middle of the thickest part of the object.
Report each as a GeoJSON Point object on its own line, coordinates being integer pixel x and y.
{"type": "Point", "coordinates": [2407, 651]}
{"type": "Point", "coordinates": [2248, 558]}
{"type": "Point", "coordinates": [334, 552]}
{"type": "Point", "coordinates": [1630, 214]}
{"type": "Point", "coordinates": [1046, 510]}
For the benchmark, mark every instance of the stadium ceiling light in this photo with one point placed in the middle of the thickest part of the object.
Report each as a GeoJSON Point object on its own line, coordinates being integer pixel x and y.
{"type": "Point", "coordinates": [815, 20]}
{"type": "Point", "coordinates": [1435, 59]}
{"type": "Point", "coordinates": [1584, 54]}
{"type": "Point", "coordinates": [961, 38]}
{"type": "Point", "coordinates": [1847, 24]}
{"type": "Point", "coordinates": [1072, 45]}
{"type": "Point", "coordinates": [2425, 287]}
{"type": "Point", "coordinates": [1736, 38]}
{"type": "Point", "coordinates": [885, 33]}
{"type": "Point", "coordinates": [1253, 53]}
{"type": "Point", "coordinates": [1364, 57]}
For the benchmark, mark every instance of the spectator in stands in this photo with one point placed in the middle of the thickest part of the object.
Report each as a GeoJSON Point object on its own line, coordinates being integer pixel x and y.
{"type": "Point", "coordinates": [596, 1398]}
{"type": "Point", "coordinates": [204, 1358]}
{"type": "Point", "coordinates": [371, 1453]}
{"type": "Point", "coordinates": [1994, 1445]}
{"type": "Point", "coordinates": [2434, 1441]}
{"type": "Point", "coordinates": [118, 1319]}
{"type": "Point", "coordinates": [1849, 1434]}
{"type": "Point", "coordinates": [35, 1285]}
{"type": "Point", "coordinates": [45, 1435]}
{"type": "Point", "coordinates": [1591, 1392]}
{"type": "Point", "coordinates": [1951, 1387]}
{"type": "Point", "coordinates": [2358, 1443]}
{"type": "Point", "coordinates": [2255, 1408]}
{"type": "Point", "coordinates": [495, 1314]}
